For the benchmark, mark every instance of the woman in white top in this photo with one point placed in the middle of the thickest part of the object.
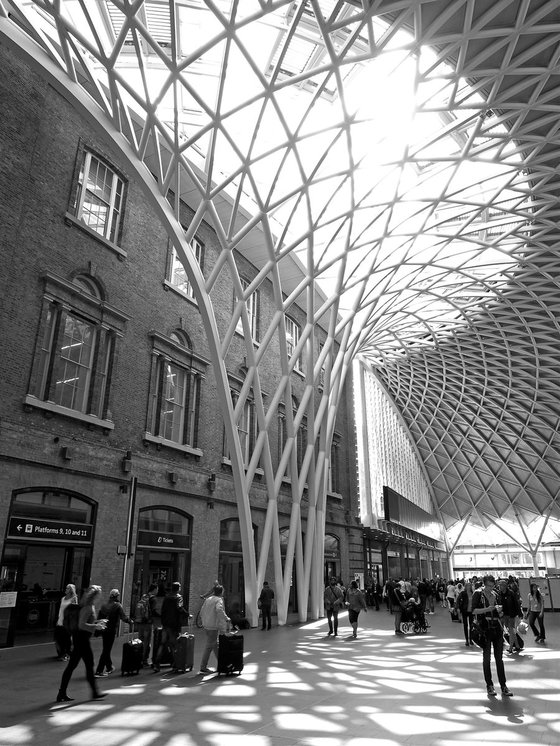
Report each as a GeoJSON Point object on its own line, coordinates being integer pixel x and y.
{"type": "Point", "coordinates": [62, 637]}
{"type": "Point", "coordinates": [535, 608]}
{"type": "Point", "coordinates": [451, 593]}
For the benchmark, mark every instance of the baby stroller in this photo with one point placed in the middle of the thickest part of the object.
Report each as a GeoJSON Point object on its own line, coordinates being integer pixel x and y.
{"type": "Point", "coordinates": [413, 619]}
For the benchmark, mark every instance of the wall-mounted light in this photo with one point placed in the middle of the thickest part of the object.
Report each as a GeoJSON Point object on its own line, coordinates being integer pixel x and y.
{"type": "Point", "coordinates": [210, 505]}
{"type": "Point", "coordinates": [66, 453]}
{"type": "Point", "coordinates": [212, 482]}
{"type": "Point", "coordinates": [126, 462]}
{"type": "Point", "coordinates": [173, 477]}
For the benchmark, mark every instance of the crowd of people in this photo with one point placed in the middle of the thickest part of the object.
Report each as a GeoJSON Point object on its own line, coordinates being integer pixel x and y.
{"type": "Point", "coordinates": [495, 607]}
{"type": "Point", "coordinates": [159, 616]}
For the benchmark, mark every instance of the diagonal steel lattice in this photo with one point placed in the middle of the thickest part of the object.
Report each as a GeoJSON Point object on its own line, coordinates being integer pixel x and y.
{"type": "Point", "coordinates": [392, 169]}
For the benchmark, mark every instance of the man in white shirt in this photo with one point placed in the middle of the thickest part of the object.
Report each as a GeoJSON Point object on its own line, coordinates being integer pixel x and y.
{"type": "Point", "coordinates": [214, 620]}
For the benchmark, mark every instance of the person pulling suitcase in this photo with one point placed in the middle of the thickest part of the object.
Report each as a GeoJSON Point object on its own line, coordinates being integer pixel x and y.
{"type": "Point", "coordinates": [215, 621]}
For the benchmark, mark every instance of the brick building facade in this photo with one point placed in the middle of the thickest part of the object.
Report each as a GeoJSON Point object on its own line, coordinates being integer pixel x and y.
{"type": "Point", "coordinates": [102, 479]}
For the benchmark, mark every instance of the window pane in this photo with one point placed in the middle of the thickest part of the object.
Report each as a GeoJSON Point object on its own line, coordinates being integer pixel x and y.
{"type": "Point", "coordinates": [173, 403]}
{"type": "Point", "coordinates": [177, 275]}
{"type": "Point", "coordinates": [162, 520]}
{"type": "Point", "coordinates": [73, 369]}
{"type": "Point", "coordinates": [252, 311]}
{"type": "Point", "coordinates": [292, 338]}
{"type": "Point", "coordinates": [105, 350]}
{"type": "Point", "coordinates": [46, 350]}
{"type": "Point", "coordinates": [101, 197]}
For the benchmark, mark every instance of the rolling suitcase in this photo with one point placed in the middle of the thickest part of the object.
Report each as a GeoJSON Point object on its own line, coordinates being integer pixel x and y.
{"type": "Point", "coordinates": [183, 654]}
{"type": "Point", "coordinates": [230, 654]}
{"type": "Point", "coordinates": [132, 654]}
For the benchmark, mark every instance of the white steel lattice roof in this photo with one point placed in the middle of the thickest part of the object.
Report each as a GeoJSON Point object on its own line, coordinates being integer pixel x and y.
{"type": "Point", "coordinates": [392, 167]}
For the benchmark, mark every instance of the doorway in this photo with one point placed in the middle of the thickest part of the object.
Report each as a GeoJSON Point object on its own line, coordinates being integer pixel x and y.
{"type": "Point", "coordinates": [40, 573]}
{"type": "Point", "coordinates": [231, 574]}
{"type": "Point", "coordinates": [163, 552]}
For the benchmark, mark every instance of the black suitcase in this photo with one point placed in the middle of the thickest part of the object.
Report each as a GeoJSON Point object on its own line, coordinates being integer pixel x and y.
{"type": "Point", "coordinates": [167, 653]}
{"type": "Point", "coordinates": [230, 654]}
{"type": "Point", "coordinates": [132, 654]}
{"type": "Point", "coordinates": [183, 654]}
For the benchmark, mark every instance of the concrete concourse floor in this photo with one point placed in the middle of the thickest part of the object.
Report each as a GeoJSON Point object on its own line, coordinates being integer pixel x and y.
{"type": "Point", "coordinates": [299, 687]}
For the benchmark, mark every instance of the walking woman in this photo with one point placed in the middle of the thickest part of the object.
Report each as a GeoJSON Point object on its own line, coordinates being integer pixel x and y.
{"type": "Point", "coordinates": [62, 639]}
{"type": "Point", "coordinates": [535, 607]}
{"type": "Point", "coordinates": [487, 612]}
{"type": "Point", "coordinates": [113, 613]}
{"type": "Point", "coordinates": [356, 602]}
{"type": "Point", "coordinates": [87, 624]}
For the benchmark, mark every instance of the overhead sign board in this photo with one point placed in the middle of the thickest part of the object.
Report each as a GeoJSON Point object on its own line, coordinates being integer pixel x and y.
{"type": "Point", "coordinates": [31, 529]}
{"type": "Point", "coordinates": [153, 539]}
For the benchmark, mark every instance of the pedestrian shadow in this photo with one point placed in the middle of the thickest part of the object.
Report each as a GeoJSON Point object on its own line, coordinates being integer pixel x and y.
{"type": "Point", "coordinates": [508, 707]}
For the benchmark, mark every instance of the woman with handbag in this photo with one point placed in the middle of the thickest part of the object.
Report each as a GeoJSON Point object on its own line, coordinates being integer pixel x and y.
{"type": "Point", "coordinates": [487, 613]}
{"type": "Point", "coordinates": [87, 625]}
{"type": "Point", "coordinates": [62, 637]}
{"type": "Point", "coordinates": [535, 609]}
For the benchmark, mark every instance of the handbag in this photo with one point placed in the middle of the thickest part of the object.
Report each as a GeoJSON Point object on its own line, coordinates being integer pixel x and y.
{"type": "Point", "coordinates": [478, 635]}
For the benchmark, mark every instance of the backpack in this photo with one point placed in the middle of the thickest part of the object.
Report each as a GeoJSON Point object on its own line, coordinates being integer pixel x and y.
{"type": "Point", "coordinates": [142, 614]}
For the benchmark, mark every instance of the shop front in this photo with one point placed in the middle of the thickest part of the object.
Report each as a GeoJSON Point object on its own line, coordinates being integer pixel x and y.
{"type": "Point", "coordinates": [48, 544]}
{"type": "Point", "coordinates": [163, 550]}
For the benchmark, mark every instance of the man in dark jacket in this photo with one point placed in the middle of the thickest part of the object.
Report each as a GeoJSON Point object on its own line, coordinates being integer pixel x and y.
{"type": "Point", "coordinates": [333, 601]}
{"type": "Point", "coordinates": [511, 608]}
{"type": "Point", "coordinates": [173, 615]}
{"type": "Point", "coordinates": [265, 603]}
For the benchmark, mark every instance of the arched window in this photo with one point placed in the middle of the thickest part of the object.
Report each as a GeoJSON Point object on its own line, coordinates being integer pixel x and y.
{"type": "Point", "coordinates": [175, 392]}
{"type": "Point", "coordinates": [332, 546]}
{"type": "Point", "coordinates": [78, 335]}
{"type": "Point", "coordinates": [164, 528]}
{"type": "Point", "coordinates": [53, 504]}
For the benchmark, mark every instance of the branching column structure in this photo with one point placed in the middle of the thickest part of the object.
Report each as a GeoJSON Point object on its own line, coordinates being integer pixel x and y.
{"type": "Point", "coordinates": [391, 169]}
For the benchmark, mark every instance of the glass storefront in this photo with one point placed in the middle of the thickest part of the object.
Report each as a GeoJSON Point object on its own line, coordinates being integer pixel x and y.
{"type": "Point", "coordinates": [48, 545]}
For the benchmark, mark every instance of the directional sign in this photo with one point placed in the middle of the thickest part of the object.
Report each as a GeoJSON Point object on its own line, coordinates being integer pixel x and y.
{"type": "Point", "coordinates": [31, 529]}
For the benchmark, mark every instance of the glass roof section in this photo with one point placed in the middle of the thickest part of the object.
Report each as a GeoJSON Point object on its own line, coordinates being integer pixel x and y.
{"type": "Point", "coordinates": [390, 167]}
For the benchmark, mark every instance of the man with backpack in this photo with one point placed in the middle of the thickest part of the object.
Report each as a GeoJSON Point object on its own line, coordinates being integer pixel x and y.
{"type": "Point", "coordinates": [143, 621]}
{"type": "Point", "coordinates": [173, 615]}
{"type": "Point", "coordinates": [333, 602]}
